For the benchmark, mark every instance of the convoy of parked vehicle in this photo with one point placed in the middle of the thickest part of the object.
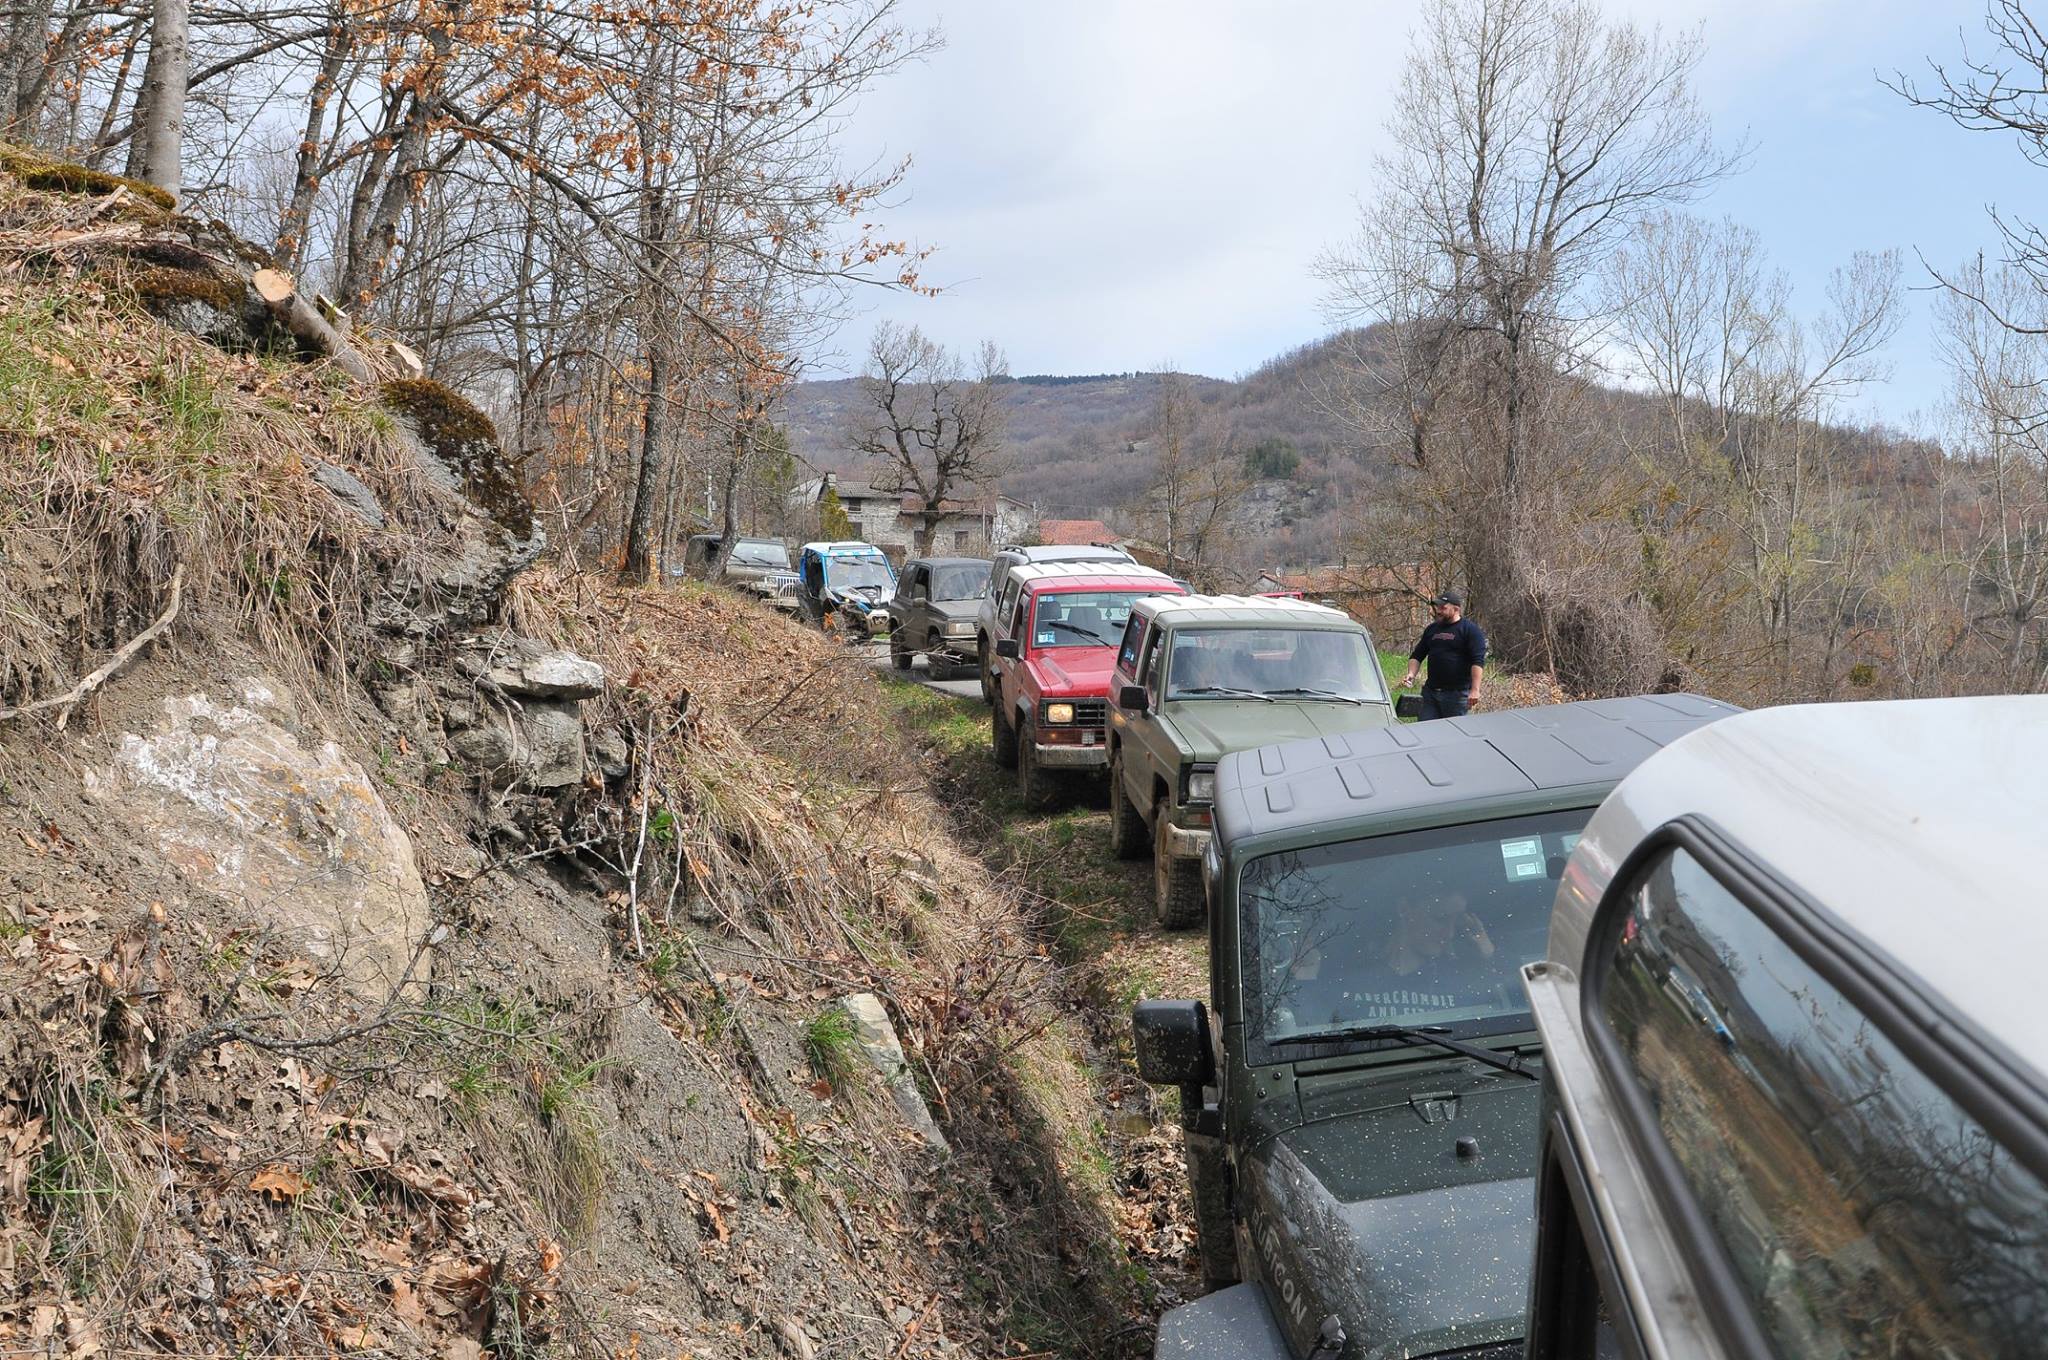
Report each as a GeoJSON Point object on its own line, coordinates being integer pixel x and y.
{"type": "Point", "coordinates": [1722, 1068]}
{"type": "Point", "coordinates": [1637, 1027]}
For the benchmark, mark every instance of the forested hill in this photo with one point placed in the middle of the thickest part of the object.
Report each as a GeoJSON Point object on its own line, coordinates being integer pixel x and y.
{"type": "Point", "coordinates": [1070, 436]}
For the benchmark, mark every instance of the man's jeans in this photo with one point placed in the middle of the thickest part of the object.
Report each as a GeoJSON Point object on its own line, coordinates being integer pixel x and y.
{"type": "Point", "coordinates": [1445, 703]}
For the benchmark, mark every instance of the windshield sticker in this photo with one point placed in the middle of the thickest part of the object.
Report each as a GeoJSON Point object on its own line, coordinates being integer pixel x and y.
{"type": "Point", "coordinates": [1046, 638]}
{"type": "Point", "coordinates": [1522, 858]}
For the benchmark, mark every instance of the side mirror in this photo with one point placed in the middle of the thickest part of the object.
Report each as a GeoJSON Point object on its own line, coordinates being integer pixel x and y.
{"type": "Point", "coordinates": [1131, 698]}
{"type": "Point", "coordinates": [1007, 649]}
{"type": "Point", "coordinates": [1172, 1042]}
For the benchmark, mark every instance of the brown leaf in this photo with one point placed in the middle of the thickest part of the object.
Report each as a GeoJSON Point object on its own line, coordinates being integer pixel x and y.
{"type": "Point", "coordinates": [405, 1302]}
{"type": "Point", "coordinates": [279, 1183]}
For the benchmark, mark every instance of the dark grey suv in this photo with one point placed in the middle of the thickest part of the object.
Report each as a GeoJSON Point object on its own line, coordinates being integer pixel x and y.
{"type": "Point", "coordinates": [933, 613]}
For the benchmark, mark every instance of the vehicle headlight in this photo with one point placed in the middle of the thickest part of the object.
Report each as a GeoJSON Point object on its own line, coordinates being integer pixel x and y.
{"type": "Point", "coordinates": [962, 629]}
{"type": "Point", "coordinates": [1202, 786]}
{"type": "Point", "coordinates": [1059, 713]}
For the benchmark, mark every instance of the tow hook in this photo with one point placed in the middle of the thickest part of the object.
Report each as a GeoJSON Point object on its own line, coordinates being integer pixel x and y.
{"type": "Point", "coordinates": [1330, 1339]}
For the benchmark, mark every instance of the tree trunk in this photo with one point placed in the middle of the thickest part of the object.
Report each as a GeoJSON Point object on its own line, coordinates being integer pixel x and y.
{"type": "Point", "coordinates": [637, 563]}
{"type": "Point", "coordinates": [162, 129]}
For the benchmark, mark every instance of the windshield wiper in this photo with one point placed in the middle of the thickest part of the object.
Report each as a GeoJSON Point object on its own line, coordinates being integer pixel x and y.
{"type": "Point", "coordinates": [1318, 694]}
{"type": "Point", "coordinates": [1095, 638]}
{"type": "Point", "coordinates": [1416, 1035]}
{"type": "Point", "coordinates": [1224, 690]}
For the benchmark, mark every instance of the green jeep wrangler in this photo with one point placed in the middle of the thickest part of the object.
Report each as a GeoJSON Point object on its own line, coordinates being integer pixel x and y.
{"type": "Point", "coordinates": [1200, 676]}
{"type": "Point", "coordinates": [1360, 1098]}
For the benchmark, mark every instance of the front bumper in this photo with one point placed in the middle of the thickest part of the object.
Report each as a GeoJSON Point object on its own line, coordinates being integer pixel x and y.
{"type": "Point", "coordinates": [1187, 842]}
{"type": "Point", "coordinates": [1069, 757]}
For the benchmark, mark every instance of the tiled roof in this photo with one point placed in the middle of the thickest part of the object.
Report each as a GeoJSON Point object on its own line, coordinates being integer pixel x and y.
{"type": "Point", "coordinates": [1073, 532]}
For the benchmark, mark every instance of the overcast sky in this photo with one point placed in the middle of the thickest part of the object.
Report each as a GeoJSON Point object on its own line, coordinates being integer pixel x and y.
{"type": "Point", "coordinates": [1115, 183]}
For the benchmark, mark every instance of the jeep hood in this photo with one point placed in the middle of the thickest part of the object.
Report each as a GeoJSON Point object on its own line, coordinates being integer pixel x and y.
{"type": "Point", "coordinates": [1075, 670]}
{"type": "Point", "coordinates": [1212, 728]}
{"type": "Point", "coordinates": [953, 611]}
{"type": "Point", "coordinates": [1371, 1214]}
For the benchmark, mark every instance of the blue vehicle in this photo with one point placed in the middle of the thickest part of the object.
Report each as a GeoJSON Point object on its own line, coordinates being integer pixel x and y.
{"type": "Point", "coordinates": [850, 580]}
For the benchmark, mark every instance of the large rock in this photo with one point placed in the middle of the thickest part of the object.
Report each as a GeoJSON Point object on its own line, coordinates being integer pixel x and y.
{"type": "Point", "coordinates": [550, 675]}
{"type": "Point", "coordinates": [232, 797]}
{"type": "Point", "coordinates": [879, 1045]}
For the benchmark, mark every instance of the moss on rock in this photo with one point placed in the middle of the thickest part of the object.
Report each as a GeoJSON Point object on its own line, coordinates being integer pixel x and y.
{"type": "Point", "coordinates": [160, 285]}
{"type": "Point", "coordinates": [40, 172]}
{"type": "Point", "coordinates": [463, 438]}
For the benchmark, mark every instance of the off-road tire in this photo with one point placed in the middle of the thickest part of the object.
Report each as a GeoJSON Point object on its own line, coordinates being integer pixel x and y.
{"type": "Point", "coordinates": [1176, 883]}
{"type": "Point", "coordinates": [988, 686]}
{"type": "Point", "coordinates": [936, 660]}
{"type": "Point", "coordinates": [898, 656]}
{"type": "Point", "coordinates": [1128, 837]}
{"type": "Point", "coordinates": [1002, 738]}
{"type": "Point", "coordinates": [1034, 785]}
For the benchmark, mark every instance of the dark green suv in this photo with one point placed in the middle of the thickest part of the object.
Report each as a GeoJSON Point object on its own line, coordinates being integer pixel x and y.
{"type": "Point", "coordinates": [1359, 1097]}
{"type": "Point", "coordinates": [1200, 676]}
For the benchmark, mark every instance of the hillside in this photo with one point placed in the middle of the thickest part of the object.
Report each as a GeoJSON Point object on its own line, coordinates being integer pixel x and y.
{"type": "Point", "coordinates": [415, 948]}
{"type": "Point", "coordinates": [1070, 438]}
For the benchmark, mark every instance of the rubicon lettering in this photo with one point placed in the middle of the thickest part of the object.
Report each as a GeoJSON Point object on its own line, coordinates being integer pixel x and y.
{"type": "Point", "coordinates": [1284, 1284]}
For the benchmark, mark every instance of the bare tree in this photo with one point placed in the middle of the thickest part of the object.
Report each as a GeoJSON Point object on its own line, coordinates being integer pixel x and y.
{"type": "Point", "coordinates": [936, 423]}
{"type": "Point", "coordinates": [1529, 136]}
{"type": "Point", "coordinates": [2001, 435]}
{"type": "Point", "coordinates": [2005, 90]}
{"type": "Point", "coordinates": [1198, 477]}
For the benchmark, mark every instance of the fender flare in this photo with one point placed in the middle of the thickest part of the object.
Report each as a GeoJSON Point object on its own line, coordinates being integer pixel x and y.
{"type": "Point", "coordinates": [1230, 1324]}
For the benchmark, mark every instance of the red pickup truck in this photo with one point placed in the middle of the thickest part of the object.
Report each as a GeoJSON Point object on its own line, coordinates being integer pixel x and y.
{"type": "Point", "coordinates": [1055, 643]}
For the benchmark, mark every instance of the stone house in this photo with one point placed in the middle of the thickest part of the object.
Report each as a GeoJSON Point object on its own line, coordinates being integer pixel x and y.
{"type": "Point", "coordinates": [890, 519]}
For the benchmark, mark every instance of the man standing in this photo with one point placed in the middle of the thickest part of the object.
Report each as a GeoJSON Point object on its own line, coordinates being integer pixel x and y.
{"type": "Point", "coordinates": [1456, 651]}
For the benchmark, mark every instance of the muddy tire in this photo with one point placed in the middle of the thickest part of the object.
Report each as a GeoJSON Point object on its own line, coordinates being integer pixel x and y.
{"type": "Point", "coordinates": [1176, 883]}
{"type": "Point", "coordinates": [898, 656]}
{"type": "Point", "coordinates": [1002, 738]}
{"type": "Point", "coordinates": [1128, 838]}
{"type": "Point", "coordinates": [936, 661]}
{"type": "Point", "coordinates": [988, 685]}
{"type": "Point", "coordinates": [1034, 785]}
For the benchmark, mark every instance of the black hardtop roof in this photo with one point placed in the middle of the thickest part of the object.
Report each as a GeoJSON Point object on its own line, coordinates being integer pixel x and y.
{"type": "Point", "coordinates": [1407, 767]}
{"type": "Point", "coordinates": [949, 562]}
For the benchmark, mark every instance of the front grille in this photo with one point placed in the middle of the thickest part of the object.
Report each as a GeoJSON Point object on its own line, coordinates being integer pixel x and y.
{"type": "Point", "coordinates": [1091, 712]}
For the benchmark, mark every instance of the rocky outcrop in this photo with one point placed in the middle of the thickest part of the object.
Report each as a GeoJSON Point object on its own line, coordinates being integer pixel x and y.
{"type": "Point", "coordinates": [232, 795]}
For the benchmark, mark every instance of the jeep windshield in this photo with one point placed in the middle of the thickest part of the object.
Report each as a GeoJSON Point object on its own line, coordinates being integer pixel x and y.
{"type": "Point", "coordinates": [753, 552]}
{"type": "Point", "coordinates": [1314, 664]}
{"type": "Point", "coordinates": [959, 583]}
{"type": "Point", "coordinates": [1420, 929]}
{"type": "Point", "coordinates": [855, 573]}
{"type": "Point", "coordinates": [1082, 618]}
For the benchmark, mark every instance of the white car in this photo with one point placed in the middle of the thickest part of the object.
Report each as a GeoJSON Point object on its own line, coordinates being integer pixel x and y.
{"type": "Point", "coordinates": [1795, 1058]}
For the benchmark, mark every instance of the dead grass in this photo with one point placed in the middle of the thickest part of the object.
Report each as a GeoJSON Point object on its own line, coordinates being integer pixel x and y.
{"type": "Point", "coordinates": [128, 450]}
{"type": "Point", "coordinates": [784, 805]}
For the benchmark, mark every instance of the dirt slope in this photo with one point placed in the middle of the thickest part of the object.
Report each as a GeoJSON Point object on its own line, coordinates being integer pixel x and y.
{"type": "Point", "coordinates": [375, 978]}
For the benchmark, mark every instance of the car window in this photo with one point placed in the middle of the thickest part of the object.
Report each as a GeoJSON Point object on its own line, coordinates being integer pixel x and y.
{"type": "Point", "coordinates": [1148, 668]}
{"type": "Point", "coordinates": [1008, 607]}
{"type": "Point", "coordinates": [1081, 618]}
{"type": "Point", "coordinates": [1423, 927]}
{"type": "Point", "coordinates": [1134, 638]}
{"type": "Point", "coordinates": [1214, 663]}
{"type": "Point", "coordinates": [1864, 1212]}
{"type": "Point", "coordinates": [917, 578]}
{"type": "Point", "coordinates": [1017, 618]}
{"type": "Point", "coordinates": [757, 553]}
{"type": "Point", "coordinates": [959, 581]}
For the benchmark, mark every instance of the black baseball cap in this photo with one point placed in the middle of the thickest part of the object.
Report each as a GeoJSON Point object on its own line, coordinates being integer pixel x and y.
{"type": "Point", "coordinates": [1455, 597]}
